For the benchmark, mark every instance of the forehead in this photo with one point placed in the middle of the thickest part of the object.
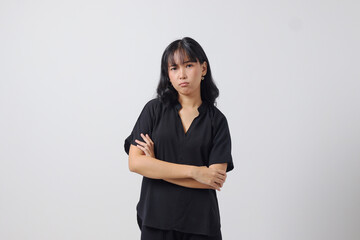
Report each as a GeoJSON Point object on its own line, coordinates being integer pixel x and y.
{"type": "Point", "coordinates": [179, 57]}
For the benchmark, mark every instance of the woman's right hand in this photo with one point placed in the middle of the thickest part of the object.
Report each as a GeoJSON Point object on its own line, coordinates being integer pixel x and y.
{"type": "Point", "coordinates": [147, 146]}
{"type": "Point", "coordinates": [210, 176]}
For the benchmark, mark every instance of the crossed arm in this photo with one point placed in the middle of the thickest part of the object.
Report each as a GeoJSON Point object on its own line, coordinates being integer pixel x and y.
{"type": "Point", "coordinates": [142, 161]}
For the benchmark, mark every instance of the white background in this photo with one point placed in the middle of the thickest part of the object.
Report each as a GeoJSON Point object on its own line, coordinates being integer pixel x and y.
{"type": "Point", "coordinates": [74, 76]}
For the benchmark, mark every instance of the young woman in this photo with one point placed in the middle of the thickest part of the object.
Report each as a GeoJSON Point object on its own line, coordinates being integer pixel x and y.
{"type": "Point", "coordinates": [181, 145]}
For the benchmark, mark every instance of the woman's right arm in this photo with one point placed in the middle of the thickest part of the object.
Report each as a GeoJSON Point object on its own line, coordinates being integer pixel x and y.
{"type": "Point", "coordinates": [157, 169]}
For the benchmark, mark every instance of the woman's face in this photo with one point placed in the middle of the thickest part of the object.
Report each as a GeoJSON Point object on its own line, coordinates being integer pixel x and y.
{"type": "Point", "coordinates": [186, 76]}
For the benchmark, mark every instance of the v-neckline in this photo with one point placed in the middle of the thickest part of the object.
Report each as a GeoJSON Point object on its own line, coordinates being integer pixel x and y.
{"type": "Point", "coordinates": [178, 107]}
{"type": "Point", "coordinates": [182, 124]}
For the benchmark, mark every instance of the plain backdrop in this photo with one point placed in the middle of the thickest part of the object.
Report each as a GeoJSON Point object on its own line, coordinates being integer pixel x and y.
{"type": "Point", "coordinates": [74, 76]}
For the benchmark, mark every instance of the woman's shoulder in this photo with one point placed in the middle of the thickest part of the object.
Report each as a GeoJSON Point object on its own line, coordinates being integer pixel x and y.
{"type": "Point", "coordinates": [219, 121]}
{"type": "Point", "coordinates": [154, 105]}
{"type": "Point", "coordinates": [216, 113]}
{"type": "Point", "coordinates": [152, 102]}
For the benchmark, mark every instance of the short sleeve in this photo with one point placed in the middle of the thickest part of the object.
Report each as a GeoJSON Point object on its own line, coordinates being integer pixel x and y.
{"type": "Point", "coordinates": [144, 124]}
{"type": "Point", "coordinates": [221, 144]}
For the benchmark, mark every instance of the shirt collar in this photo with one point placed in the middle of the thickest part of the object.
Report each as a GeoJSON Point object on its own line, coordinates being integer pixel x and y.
{"type": "Point", "coordinates": [200, 109]}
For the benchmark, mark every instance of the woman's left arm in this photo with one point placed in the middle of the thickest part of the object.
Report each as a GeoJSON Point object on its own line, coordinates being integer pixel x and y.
{"type": "Point", "coordinates": [192, 183]}
{"type": "Point", "coordinates": [222, 166]}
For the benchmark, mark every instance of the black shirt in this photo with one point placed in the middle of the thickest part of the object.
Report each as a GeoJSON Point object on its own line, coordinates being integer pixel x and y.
{"type": "Point", "coordinates": [169, 206]}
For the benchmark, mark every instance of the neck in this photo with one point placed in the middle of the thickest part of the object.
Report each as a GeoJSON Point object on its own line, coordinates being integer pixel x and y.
{"type": "Point", "coordinates": [190, 101]}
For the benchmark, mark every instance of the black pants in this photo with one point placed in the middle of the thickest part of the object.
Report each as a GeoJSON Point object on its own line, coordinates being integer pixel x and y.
{"type": "Point", "coordinates": [149, 233]}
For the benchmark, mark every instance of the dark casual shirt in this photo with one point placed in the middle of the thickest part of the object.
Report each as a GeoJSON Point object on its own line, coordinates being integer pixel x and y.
{"type": "Point", "coordinates": [169, 206]}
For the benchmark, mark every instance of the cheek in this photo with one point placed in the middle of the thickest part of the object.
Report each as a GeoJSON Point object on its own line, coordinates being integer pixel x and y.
{"type": "Point", "coordinates": [171, 80]}
{"type": "Point", "coordinates": [171, 75]}
{"type": "Point", "coordinates": [196, 72]}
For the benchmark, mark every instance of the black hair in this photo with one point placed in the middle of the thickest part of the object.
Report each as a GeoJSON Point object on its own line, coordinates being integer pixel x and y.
{"type": "Point", "coordinates": [186, 46]}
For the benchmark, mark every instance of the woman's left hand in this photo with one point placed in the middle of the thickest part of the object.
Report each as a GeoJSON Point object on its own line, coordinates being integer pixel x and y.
{"type": "Point", "coordinates": [147, 147]}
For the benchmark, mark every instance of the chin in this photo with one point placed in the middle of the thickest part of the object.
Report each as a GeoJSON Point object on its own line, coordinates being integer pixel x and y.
{"type": "Point", "coordinates": [189, 92]}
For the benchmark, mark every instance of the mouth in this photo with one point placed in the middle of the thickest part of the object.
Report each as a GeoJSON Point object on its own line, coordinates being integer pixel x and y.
{"type": "Point", "coordinates": [183, 84]}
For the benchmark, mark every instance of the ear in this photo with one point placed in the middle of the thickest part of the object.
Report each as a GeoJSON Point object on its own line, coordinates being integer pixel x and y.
{"type": "Point", "coordinates": [204, 68]}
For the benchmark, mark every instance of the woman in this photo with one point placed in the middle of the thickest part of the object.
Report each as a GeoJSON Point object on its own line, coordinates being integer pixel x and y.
{"type": "Point", "coordinates": [181, 145]}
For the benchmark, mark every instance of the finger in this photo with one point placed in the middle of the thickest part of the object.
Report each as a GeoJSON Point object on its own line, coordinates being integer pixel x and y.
{"type": "Point", "coordinates": [147, 153]}
{"type": "Point", "coordinates": [144, 145]}
{"type": "Point", "coordinates": [222, 177]}
{"type": "Point", "coordinates": [214, 185]}
{"type": "Point", "coordinates": [219, 181]}
{"type": "Point", "coordinates": [145, 139]}
{"type": "Point", "coordinates": [222, 172]}
{"type": "Point", "coordinates": [217, 187]}
{"type": "Point", "coordinates": [147, 148]}
{"type": "Point", "coordinates": [148, 137]}
{"type": "Point", "coordinates": [141, 143]}
{"type": "Point", "coordinates": [141, 148]}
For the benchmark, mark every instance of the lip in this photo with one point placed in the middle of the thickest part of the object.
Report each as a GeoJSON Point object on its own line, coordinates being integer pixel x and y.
{"type": "Point", "coordinates": [183, 84]}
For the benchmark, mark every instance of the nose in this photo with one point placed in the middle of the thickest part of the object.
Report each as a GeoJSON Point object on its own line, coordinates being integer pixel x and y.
{"type": "Point", "coordinates": [182, 73]}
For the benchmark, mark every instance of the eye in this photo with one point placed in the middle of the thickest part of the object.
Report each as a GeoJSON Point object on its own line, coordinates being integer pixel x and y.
{"type": "Point", "coordinates": [172, 68]}
{"type": "Point", "coordinates": [189, 65]}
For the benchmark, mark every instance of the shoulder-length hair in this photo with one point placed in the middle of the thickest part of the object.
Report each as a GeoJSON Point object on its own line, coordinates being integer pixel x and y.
{"type": "Point", "coordinates": [186, 46]}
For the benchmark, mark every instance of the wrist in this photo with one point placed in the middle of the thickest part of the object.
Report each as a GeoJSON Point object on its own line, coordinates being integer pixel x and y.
{"type": "Point", "coordinates": [192, 171]}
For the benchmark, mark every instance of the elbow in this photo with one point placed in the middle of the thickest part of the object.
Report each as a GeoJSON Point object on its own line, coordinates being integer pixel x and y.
{"type": "Point", "coordinates": [132, 165]}
{"type": "Point", "coordinates": [135, 159]}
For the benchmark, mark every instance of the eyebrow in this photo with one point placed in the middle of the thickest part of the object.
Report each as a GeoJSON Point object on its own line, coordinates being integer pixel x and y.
{"type": "Point", "coordinates": [183, 63]}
